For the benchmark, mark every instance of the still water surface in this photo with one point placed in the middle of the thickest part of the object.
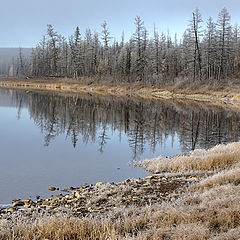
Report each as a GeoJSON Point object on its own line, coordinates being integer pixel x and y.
{"type": "Point", "coordinates": [65, 140]}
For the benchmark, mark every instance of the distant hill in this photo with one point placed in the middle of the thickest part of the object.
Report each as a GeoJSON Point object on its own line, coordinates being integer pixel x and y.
{"type": "Point", "coordinates": [8, 57]}
{"type": "Point", "coordinates": [9, 53]}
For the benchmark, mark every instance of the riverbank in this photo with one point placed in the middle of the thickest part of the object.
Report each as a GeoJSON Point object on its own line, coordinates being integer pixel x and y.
{"type": "Point", "coordinates": [227, 94]}
{"type": "Point", "coordinates": [104, 197]}
{"type": "Point", "coordinates": [196, 198]}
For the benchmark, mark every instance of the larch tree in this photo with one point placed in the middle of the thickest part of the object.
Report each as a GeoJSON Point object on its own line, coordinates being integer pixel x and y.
{"type": "Point", "coordinates": [210, 44]}
{"type": "Point", "coordinates": [223, 32]}
{"type": "Point", "coordinates": [140, 41]}
{"type": "Point", "coordinates": [106, 55]}
{"type": "Point", "coordinates": [53, 42]}
{"type": "Point", "coordinates": [196, 21]}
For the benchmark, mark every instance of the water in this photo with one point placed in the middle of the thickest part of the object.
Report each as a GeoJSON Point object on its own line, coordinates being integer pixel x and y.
{"type": "Point", "coordinates": [66, 140]}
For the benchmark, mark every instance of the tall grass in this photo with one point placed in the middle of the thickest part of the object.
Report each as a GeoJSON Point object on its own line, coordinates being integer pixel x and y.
{"type": "Point", "coordinates": [217, 158]}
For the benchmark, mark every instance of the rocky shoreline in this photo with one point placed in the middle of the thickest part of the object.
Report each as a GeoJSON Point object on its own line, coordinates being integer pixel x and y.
{"type": "Point", "coordinates": [104, 197]}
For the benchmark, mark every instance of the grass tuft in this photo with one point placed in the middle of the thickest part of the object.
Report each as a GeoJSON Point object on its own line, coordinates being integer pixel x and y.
{"type": "Point", "coordinates": [217, 158]}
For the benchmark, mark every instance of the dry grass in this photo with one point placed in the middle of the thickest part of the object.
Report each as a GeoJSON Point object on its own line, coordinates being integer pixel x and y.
{"type": "Point", "coordinates": [209, 214]}
{"type": "Point", "coordinates": [211, 93]}
{"type": "Point", "coordinates": [217, 158]}
{"type": "Point", "coordinates": [231, 176]}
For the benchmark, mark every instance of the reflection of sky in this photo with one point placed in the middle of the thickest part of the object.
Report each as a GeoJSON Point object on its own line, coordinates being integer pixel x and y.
{"type": "Point", "coordinates": [29, 168]}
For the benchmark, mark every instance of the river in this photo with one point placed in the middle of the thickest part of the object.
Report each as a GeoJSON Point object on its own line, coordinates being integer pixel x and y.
{"type": "Point", "coordinates": [61, 140]}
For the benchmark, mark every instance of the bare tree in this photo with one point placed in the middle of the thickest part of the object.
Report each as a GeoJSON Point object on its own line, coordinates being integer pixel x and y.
{"type": "Point", "coordinates": [197, 54]}
{"type": "Point", "coordinates": [223, 31]}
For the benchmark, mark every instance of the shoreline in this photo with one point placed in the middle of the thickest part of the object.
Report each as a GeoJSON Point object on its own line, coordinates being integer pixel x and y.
{"type": "Point", "coordinates": [102, 198]}
{"type": "Point", "coordinates": [227, 96]}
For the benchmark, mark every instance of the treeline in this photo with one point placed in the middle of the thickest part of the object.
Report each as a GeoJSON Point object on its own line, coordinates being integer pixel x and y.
{"type": "Point", "coordinates": [210, 54]}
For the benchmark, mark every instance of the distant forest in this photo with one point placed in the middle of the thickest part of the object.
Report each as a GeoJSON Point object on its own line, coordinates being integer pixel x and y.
{"type": "Point", "coordinates": [201, 55]}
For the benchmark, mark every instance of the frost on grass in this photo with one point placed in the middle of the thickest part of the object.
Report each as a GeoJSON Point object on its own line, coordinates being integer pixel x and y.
{"type": "Point", "coordinates": [217, 158]}
{"type": "Point", "coordinates": [224, 177]}
{"type": "Point", "coordinates": [210, 214]}
{"type": "Point", "coordinates": [208, 209]}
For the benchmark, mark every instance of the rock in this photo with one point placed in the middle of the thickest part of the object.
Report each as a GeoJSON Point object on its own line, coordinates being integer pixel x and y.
{"type": "Point", "coordinates": [59, 195]}
{"type": "Point", "coordinates": [67, 196]}
{"type": "Point", "coordinates": [192, 179]}
{"type": "Point", "coordinates": [11, 209]}
{"type": "Point", "coordinates": [77, 194]}
{"type": "Point", "coordinates": [39, 201]}
{"type": "Point", "coordinates": [18, 204]}
{"type": "Point", "coordinates": [148, 177]}
{"type": "Point", "coordinates": [27, 205]}
{"type": "Point", "coordinates": [27, 201]}
{"type": "Point", "coordinates": [151, 178]}
{"type": "Point", "coordinates": [51, 188]}
{"type": "Point", "coordinates": [68, 188]}
{"type": "Point", "coordinates": [2, 211]}
{"type": "Point", "coordinates": [98, 184]}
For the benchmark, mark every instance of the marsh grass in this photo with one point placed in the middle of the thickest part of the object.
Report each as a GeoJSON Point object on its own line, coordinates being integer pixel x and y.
{"type": "Point", "coordinates": [208, 209]}
{"type": "Point", "coordinates": [217, 158]}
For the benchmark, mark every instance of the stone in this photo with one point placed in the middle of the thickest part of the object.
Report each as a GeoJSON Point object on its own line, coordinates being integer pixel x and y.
{"type": "Point", "coordinates": [27, 205]}
{"type": "Point", "coordinates": [192, 179]}
{"type": "Point", "coordinates": [11, 209]}
{"type": "Point", "coordinates": [98, 184]}
{"type": "Point", "coordinates": [18, 204]}
{"type": "Point", "coordinates": [27, 201]}
{"type": "Point", "coordinates": [77, 194]}
{"type": "Point", "coordinates": [59, 195]}
{"type": "Point", "coordinates": [68, 188]}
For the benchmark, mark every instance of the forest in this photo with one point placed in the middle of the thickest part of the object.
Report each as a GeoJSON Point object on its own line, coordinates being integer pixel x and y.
{"type": "Point", "coordinates": [207, 52]}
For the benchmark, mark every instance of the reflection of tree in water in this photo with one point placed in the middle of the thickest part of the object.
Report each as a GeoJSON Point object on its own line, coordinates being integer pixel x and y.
{"type": "Point", "coordinates": [144, 122]}
{"type": "Point", "coordinates": [102, 139]}
{"type": "Point", "coordinates": [136, 134]}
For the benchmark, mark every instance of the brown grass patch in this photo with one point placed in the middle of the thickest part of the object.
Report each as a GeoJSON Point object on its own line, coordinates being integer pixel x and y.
{"type": "Point", "coordinates": [208, 93]}
{"type": "Point", "coordinates": [217, 158]}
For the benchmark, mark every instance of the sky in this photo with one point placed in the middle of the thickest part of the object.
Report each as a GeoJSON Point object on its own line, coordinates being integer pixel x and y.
{"type": "Point", "coordinates": [23, 22]}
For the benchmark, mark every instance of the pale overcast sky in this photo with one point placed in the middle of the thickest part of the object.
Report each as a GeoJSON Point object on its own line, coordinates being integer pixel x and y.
{"type": "Point", "coordinates": [23, 22]}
